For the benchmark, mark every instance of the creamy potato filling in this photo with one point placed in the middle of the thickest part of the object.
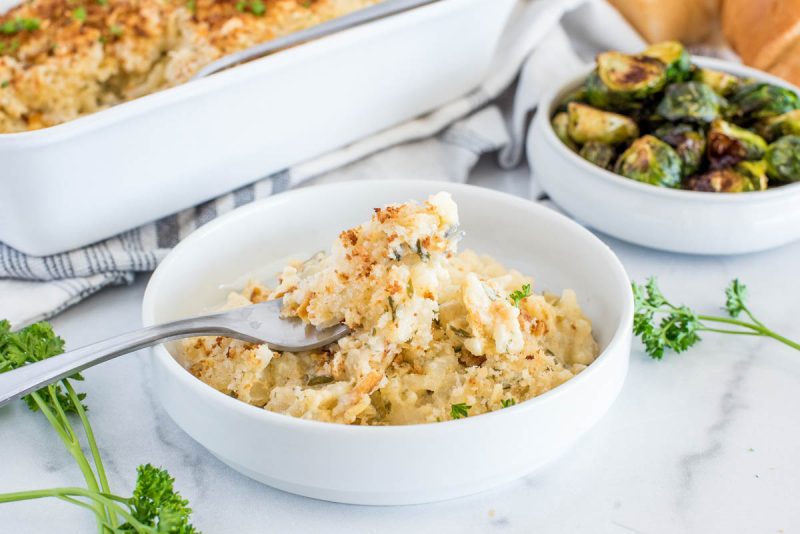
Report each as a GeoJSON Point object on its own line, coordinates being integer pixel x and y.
{"type": "Point", "coordinates": [436, 334]}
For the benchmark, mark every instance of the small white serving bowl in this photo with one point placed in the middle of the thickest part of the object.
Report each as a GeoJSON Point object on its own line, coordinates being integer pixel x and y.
{"type": "Point", "coordinates": [399, 464]}
{"type": "Point", "coordinates": [668, 219]}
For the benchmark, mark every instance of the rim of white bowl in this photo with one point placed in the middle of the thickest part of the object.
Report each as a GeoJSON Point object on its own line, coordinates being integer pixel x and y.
{"type": "Point", "coordinates": [695, 196]}
{"type": "Point", "coordinates": [178, 372]}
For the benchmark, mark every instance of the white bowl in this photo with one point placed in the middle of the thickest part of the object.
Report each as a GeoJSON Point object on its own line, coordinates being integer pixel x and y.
{"type": "Point", "coordinates": [400, 464]}
{"type": "Point", "coordinates": [667, 219]}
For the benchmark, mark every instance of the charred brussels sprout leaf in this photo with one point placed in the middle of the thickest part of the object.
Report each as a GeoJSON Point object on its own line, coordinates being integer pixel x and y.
{"type": "Point", "coordinates": [786, 124]}
{"type": "Point", "coordinates": [631, 77]}
{"type": "Point", "coordinates": [729, 144]}
{"type": "Point", "coordinates": [742, 178]}
{"type": "Point", "coordinates": [690, 144]}
{"type": "Point", "coordinates": [599, 96]}
{"type": "Point", "coordinates": [651, 161]}
{"type": "Point", "coordinates": [577, 95]}
{"type": "Point", "coordinates": [601, 154]}
{"type": "Point", "coordinates": [690, 101]}
{"type": "Point", "coordinates": [762, 100]}
{"type": "Point", "coordinates": [783, 159]}
{"type": "Point", "coordinates": [674, 56]}
{"type": "Point", "coordinates": [560, 125]}
{"type": "Point", "coordinates": [590, 124]}
{"type": "Point", "coordinates": [721, 82]}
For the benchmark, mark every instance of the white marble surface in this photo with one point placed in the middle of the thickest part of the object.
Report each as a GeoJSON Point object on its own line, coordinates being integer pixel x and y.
{"type": "Point", "coordinates": [708, 441]}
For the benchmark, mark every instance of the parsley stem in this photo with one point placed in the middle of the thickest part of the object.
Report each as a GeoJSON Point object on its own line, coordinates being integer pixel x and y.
{"type": "Point", "coordinates": [67, 434]}
{"type": "Point", "coordinates": [87, 428]}
{"type": "Point", "coordinates": [759, 329]}
{"type": "Point", "coordinates": [70, 492]}
{"type": "Point", "coordinates": [728, 320]}
{"type": "Point", "coordinates": [735, 332]}
{"type": "Point", "coordinates": [62, 416]}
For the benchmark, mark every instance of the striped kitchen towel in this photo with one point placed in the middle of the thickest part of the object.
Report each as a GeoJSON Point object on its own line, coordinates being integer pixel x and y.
{"type": "Point", "coordinates": [540, 43]}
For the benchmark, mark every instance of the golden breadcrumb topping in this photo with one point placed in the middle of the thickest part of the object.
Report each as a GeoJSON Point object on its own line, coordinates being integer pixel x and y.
{"type": "Point", "coordinates": [60, 59]}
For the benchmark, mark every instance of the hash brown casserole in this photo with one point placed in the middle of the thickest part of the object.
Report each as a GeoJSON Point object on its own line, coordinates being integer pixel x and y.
{"type": "Point", "coordinates": [436, 335]}
{"type": "Point", "coordinates": [60, 59]}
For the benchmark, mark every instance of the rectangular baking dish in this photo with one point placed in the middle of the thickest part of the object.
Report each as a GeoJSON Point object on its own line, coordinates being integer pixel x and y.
{"type": "Point", "coordinates": [76, 183]}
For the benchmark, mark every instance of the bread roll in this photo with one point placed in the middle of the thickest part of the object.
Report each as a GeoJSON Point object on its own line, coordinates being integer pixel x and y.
{"type": "Point", "coordinates": [689, 21]}
{"type": "Point", "coordinates": [765, 34]}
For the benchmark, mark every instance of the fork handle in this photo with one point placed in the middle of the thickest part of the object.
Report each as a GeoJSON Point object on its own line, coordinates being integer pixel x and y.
{"type": "Point", "coordinates": [28, 378]}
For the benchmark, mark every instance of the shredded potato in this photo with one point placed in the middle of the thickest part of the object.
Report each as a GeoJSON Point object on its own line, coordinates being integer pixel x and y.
{"type": "Point", "coordinates": [430, 329]}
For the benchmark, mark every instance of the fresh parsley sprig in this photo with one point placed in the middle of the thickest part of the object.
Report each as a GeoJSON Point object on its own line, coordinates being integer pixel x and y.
{"type": "Point", "coordinates": [663, 326]}
{"type": "Point", "coordinates": [516, 296]}
{"type": "Point", "coordinates": [154, 507]}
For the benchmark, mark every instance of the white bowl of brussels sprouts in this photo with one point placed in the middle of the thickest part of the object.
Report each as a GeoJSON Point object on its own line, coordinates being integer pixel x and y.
{"type": "Point", "coordinates": [685, 154]}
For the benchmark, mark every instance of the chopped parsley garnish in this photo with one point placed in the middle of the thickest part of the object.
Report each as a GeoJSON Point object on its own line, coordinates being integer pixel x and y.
{"type": "Point", "coordinates": [519, 294]}
{"type": "Point", "coordinates": [10, 27]}
{"type": "Point", "coordinates": [241, 6]}
{"type": "Point", "coordinates": [102, 2]}
{"type": "Point", "coordinates": [508, 402]}
{"type": "Point", "coordinates": [319, 380]}
{"type": "Point", "coordinates": [79, 14]}
{"type": "Point", "coordinates": [258, 8]}
{"type": "Point", "coordinates": [393, 308]}
{"type": "Point", "coordinates": [410, 288]}
{"type": "Point", "coordinates": [191, 5]}
{"type": "Point", "coordinates": [115, 30]}
{"type": "Point", "coordinates": [423, 254]}
{"type": "Point", "coordinates": [460, 332]}
{"type": "Point", "coordinates": [460, 410]}
{"type": "Point", "coordinates": [4, 84]}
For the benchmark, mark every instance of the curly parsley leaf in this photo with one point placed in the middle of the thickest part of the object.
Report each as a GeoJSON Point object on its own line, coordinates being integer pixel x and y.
{"type": "Point", "coordinates": [519, 294]}
{"type": "Point", "coordinates": [155, 503]}
{"type": "Point", "coordinates": [460, 410]}
{"type": "Point", "coordinates": [736, 298]}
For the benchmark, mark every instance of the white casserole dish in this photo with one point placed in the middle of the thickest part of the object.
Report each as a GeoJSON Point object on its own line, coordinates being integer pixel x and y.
{"type": "Point", "coordinates": [390, 464]}
{"type": "Point", "coordinates": [88, 179]}
{"type": "Point", "coordinates": [668, 219]}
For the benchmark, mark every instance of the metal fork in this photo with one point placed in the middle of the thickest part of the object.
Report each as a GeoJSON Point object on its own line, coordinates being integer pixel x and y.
{"type": "Point", "coordinates": [259, 323]}
{"type": "Point", "coordinates": [357, 18]}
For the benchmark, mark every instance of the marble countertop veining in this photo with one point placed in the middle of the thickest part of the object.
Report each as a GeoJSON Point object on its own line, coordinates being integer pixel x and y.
{"type": "Point", "coordinates": [707, 441]}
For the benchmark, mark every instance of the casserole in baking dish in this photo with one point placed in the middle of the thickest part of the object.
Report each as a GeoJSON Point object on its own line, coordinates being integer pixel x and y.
{"type": "Point", "coordinates": [60, 59]}
{"type": "Point", "coordinates": [90, 178]}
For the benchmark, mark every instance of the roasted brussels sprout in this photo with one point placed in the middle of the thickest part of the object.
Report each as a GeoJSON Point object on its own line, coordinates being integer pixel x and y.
{"type": "Point", "coordinates": [783, 159]}
{"type": "Point", "coordinates": [577, 95]}
{"type": "Point", "coordinates": [590, 124]}
{"type": "Point", "coordinates": [674, 56]}
{"type": "Point", "coordinates": [601, 154]}
{"type": "Point", "coordinates": [729, 144]}
{"type": "Point", "coordinates": [690, 101]}
{"type": "Point", "coordinates": [762, 100]}
{"type": "Point", "coordinates": [560, 124]}
{"type": "Point", "coordinates": [689, 143]}
{"type": "Point", "coordinates": [721, 82]}
{"type": "Point", "coordinates": [651, 161]}
{"type": "Point", "coordinates": [631, 77]}
{"type": "Point", "coordinates": [775, 127]}
{"type": "Point", "coordinates": [656, 118]}
{"type": "Point", "coordinates": [743, 177]}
